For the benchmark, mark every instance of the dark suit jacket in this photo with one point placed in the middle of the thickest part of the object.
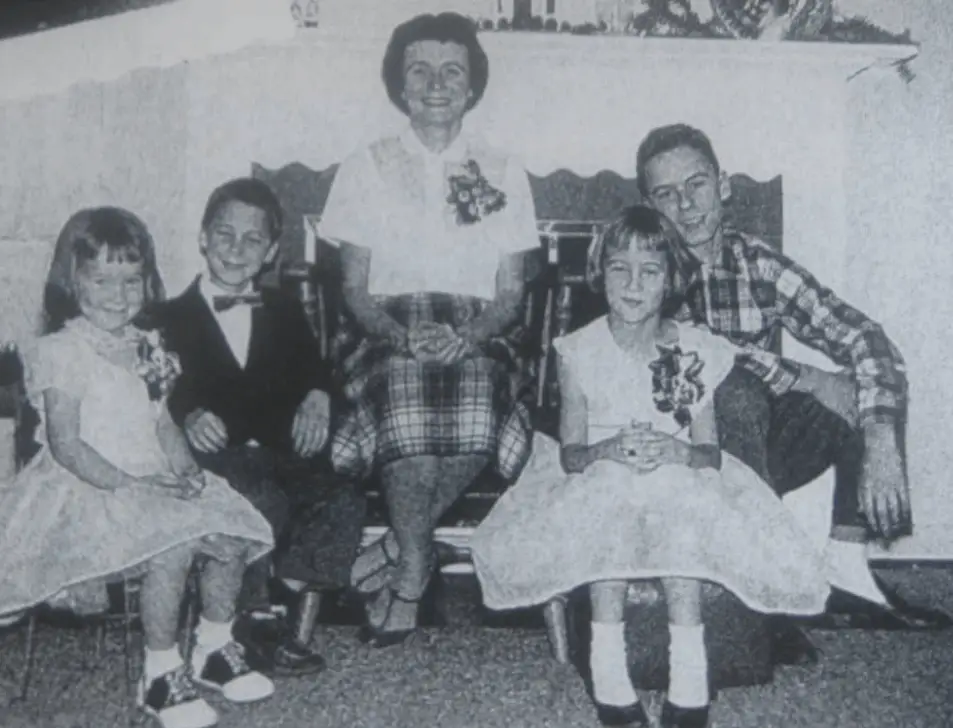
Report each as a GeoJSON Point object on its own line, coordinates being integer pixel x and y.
{"type": "Point", "coordinates": [257, 402]}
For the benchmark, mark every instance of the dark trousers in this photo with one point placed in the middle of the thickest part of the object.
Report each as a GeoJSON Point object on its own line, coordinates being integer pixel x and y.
{"type": "Point", "coordinates": [791, 439]}
{"type": "Point", "coordinates": [317, 517]}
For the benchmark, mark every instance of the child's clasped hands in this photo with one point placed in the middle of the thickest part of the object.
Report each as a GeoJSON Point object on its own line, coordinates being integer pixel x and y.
{"type": "Point", "coordinates": [184, 487]}
{"type": "Point", "coordinates": [645, 449]}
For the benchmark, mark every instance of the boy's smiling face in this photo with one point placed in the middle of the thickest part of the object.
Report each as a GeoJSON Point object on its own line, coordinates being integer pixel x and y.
{"type": "Point", "coordinates": [237, 245]}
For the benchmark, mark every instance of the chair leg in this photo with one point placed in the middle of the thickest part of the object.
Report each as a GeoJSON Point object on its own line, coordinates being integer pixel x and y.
{"type": "Point", "coordinates": [100, 640]}
{"type": "Point", "coordinates": [29, 653]}
{"type": "Point", "coordinates": [191, 614]}
{"type": "Point", "coordinates": [555, 615]}
{"type": "Point", "coordinates": [127, 628]}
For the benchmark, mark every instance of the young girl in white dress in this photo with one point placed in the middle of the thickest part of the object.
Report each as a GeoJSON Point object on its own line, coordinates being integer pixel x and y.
{"type": "Point", "coordinates": [113, 489]}
{"type": "Point", "coordinates": [638, 488]}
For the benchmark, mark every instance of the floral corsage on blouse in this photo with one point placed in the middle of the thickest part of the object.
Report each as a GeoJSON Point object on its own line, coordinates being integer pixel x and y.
{"type": "Point", "coordinates": [158, 367]}
{"type": "Point", "coordinates": [676, 382]}
{"type": "Point", "coordinates": [472, 196]}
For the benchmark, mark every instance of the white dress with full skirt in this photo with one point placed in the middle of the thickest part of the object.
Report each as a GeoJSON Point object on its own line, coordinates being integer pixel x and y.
{"type": "Point", "coordinates": [551, 532]}
{"type": "Point", "coordinates": [57, 531]}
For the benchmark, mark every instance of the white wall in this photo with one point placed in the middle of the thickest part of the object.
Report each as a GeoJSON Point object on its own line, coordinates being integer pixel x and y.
{"type": "Point", "coordinates": [899, 186]}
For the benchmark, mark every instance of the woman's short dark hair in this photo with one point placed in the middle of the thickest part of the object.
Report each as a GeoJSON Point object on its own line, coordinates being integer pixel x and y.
{"type": "Point", "coordinates": [249, 191]}
{"type": "Point", "coordinates": [81, 240]}
{"type": "Point", "coordinates": [665, 139]}
{"type": "Point", "coordinates": [443, 28]}
{"type": "Point", "coordinates": [647, 229]}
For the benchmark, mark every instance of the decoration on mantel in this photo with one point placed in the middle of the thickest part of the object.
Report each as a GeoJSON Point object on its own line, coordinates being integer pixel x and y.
{"type": "Point", "coordinates": [764, 20]}
{"type": "Point", "coordinates": [305, 13]}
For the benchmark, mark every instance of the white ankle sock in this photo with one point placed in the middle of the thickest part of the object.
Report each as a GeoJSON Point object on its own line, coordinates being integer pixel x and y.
{"type": "Point", "coordinates": [848, 570]}
{"type": "Point", "coordinates": [159, 662]}
{"type": "Point", "coordinates": [688, 666]}
{"type": "Point", "coordinates": [610, 667]}
{"type": "Point", "coordinates": [211, 636]}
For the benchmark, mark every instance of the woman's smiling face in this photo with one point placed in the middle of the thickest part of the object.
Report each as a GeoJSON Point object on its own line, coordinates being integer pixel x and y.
{"type": "Point", "coordinates": [436, 82]}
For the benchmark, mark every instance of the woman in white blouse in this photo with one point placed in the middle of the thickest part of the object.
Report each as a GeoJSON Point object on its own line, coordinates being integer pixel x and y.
{"type": "Point", "coordinates": [430, 224]}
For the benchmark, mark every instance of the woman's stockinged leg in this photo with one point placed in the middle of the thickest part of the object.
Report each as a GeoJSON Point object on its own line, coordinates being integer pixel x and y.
{"type": "Point", "coordinates": [409, 485]}
{"type": "Point", "coordinates": [456, 474]}
{"type": "Point", "coordinates": [688, 661]}
{"type": "Point", "coordinates": [374, 568]}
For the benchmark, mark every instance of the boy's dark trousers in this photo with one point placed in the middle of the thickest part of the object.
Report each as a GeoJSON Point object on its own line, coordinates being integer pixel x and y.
{"type": "Point", "coordinates": [790, 440]}
{"type": "Point", "coordinates": [317, 517]}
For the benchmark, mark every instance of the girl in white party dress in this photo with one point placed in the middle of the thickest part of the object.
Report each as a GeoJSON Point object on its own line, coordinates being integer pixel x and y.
{"type": "Point", "coordinates": [113, 489]}
{"type": "Point", "coordinates": [638, 488]}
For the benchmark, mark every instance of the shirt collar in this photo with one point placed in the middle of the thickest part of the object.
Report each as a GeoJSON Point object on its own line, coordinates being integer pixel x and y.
{"type": "Point", "coordinates": [730, 253]}
{"type": "Point", "coordinates": [209, 291]}
{"type": "Point", "coordinates": [458, 150]}
{"type": "Point", "coordinates": [728, 256]}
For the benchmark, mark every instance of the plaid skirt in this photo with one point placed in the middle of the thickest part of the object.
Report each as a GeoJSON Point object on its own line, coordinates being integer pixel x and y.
{"type": "Point", "coordinates": [398, 407]}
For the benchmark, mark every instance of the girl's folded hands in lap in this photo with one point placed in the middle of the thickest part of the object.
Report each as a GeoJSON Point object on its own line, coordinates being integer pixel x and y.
{"type": "Point", "coordinates": [646, 449]}
{"type": "Point", "coordinates": [171, 485]}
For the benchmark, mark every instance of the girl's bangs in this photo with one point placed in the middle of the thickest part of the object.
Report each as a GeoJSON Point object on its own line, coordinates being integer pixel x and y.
{"type": "Point", "coordinates": [636, 240]}
{"type": "Point", "coordinates": [125, 250]}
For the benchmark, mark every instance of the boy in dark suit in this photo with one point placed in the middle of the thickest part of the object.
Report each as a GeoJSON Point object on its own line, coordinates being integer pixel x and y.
{"type": "Point", "coordinates": [253, 401]}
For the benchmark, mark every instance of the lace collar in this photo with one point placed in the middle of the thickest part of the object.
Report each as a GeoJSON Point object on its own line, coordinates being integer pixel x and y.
{"type": "Point", "coordinates": [121, 348]}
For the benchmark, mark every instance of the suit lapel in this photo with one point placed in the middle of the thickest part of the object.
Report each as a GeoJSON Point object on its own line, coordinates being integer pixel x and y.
{"type": "Point", "coordinates": [209, 334]}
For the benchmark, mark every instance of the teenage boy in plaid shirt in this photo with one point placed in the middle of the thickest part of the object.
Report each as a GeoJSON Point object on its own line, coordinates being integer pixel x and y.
{"type": "Point", "coordinates": [791, 421]}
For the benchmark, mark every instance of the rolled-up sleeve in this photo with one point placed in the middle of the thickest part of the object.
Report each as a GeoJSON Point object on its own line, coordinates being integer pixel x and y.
{"type": "Point", "coordinates": [814, 315]}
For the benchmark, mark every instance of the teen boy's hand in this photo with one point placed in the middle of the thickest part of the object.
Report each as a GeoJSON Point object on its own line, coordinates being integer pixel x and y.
{"type": "Point", "coordinates": [884, 488]}
{"type": "Point", "coordinates": [206, 431]}
{"type": "Point", "coordinates": [309, 431]}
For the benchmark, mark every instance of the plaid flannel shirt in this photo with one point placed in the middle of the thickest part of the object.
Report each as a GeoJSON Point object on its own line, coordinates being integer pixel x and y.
{"type": "Point", "coordinates": [755, 289]}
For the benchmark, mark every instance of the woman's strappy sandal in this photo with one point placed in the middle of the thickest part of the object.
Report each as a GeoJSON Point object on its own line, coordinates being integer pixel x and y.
{"type": "Point", "coordinates": [378, 636]}
{"type": "Point", "coordinates": [360, 583]}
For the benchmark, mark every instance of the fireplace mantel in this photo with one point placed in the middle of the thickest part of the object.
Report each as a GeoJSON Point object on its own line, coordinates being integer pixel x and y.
{"type": "Point", "coordinates": [545, 90]}
{"type": "Point", "coordinates": [850, 58]}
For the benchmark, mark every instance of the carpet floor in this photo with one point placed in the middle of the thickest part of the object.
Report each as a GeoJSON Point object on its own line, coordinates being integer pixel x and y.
{"type": "Point", "coordinates": [466, 676]}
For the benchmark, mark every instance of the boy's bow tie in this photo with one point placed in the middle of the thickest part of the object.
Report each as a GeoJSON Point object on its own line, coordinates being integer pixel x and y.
{"type": "Point", "coordinates": [226, 302]}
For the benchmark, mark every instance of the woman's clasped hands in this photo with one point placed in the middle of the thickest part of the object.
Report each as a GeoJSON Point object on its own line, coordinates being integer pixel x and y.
{"type": "Point", "coordinates": [645, 449]}
{"type": "Point", "coordinates": [438, 343]}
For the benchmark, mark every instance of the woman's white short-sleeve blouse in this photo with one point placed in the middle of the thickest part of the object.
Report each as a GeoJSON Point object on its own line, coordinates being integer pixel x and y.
{"type": "Point", "coordinates": [391, 197]}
